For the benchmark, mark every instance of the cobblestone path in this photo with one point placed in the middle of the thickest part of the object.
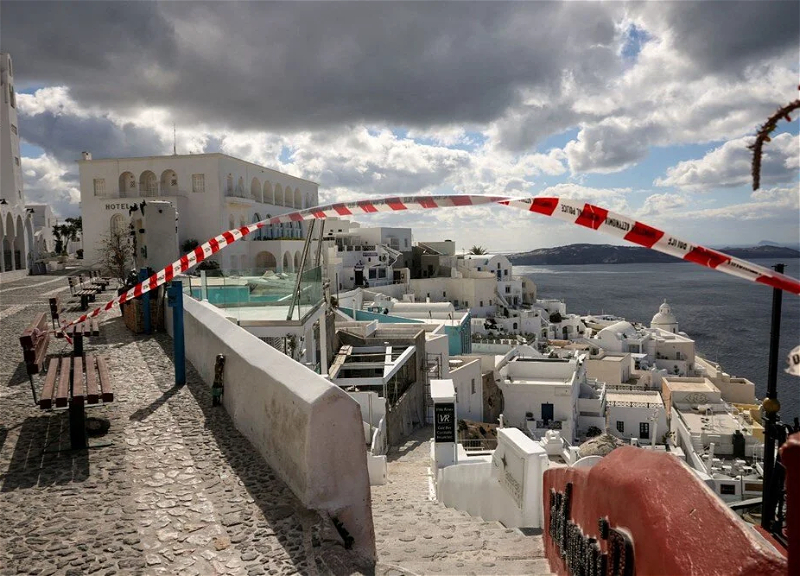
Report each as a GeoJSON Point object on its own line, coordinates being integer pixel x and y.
{"type": "Point", "coordinates": [415, 535]}
{"type": "Point", "coordinates": [179, 491]}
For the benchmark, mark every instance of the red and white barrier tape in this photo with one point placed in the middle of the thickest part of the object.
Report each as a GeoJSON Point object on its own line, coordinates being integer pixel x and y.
{"type": "Point", "coordinates": [620, 226]}
{"type": "Point", "coordinates": [572, 211]}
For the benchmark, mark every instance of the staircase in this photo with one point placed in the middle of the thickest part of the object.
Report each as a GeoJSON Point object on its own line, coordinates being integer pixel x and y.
{"type": "Point", "coordinates": [416, 535]}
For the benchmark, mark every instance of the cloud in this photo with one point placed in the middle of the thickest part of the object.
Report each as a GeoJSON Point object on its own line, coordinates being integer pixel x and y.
{"type": "Point", "coordinates": [729, 165]}
{"type": "Point", "coordinates": [662, 204]}
{"type": "Point", "coordinates": [287, 67]}
{"type": "Point", "coordinates": [772, 203]}
{"type": "Point", "coordinates": [48, 181]}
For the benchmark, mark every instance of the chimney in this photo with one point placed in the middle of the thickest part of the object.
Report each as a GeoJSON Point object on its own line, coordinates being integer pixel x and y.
{"type": "Point", "coordinates": [87, 155]}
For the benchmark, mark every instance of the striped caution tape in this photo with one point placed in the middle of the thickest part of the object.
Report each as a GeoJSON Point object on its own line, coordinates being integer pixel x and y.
{"type": "Point", "coordinates": [620, 226]}
{"type": "Point", "coordinates": [572, 211]}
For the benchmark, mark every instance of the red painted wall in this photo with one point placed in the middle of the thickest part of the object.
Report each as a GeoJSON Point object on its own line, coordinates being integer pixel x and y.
{"type": "Point", "coordinates": [790, 457]}
{"type": "Point", "coordinates": [678, 525]}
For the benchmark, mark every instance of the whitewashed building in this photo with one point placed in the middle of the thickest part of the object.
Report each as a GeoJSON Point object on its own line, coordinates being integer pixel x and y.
{"type": "Point", "coordinates": [212, 193]}
{"type": "Point", "coordinates": [16, 222]}
{"type": "Point", "coordinates": [43, 222]}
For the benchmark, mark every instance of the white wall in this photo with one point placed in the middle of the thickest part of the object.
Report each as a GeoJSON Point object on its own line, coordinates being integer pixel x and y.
{"type": "Point", "coordinates": [308, 430]}
{"type": "Point", "coordinates": [483, 486]}
{"type": "Point", "coordinates": [468, 382]}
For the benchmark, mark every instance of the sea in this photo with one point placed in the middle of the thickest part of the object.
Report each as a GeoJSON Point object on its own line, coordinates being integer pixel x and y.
{"type": "Point", "coordinates": [728, 318]}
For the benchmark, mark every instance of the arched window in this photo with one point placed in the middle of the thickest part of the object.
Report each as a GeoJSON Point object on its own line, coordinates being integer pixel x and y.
{"type": "Point", "coordinates": [279, 195]}
{"type": "Point", "coordinates": [268, 197]}
{"type": "Point", "coordinates": [231, 222]}
{"type": "Point", "coordinates": [118, 225]}
{"type": "Point", "coordinates": [148, 184]}
{"type": "Point", "coordinates": [298, 199]}
{"type": "Point", "coordinates": [240, 187]}
{"type": "Point", "coordinates": [255, 190]}
{"type": "Point", "coordinates": [229, 185]}
{"type": "Point", "coordinates": [257, 234]}
{"type": "Point", "coordinates": [169, 182]}
{"type": "Point", "coordinates": [127, 184]}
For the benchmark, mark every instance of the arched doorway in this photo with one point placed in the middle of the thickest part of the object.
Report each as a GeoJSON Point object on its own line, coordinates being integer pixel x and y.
{"type": "Point", "coordinates": [268, 196]}
{"type": "Point", "coordinates": [255, 190]}
{"type": "Point", "coordinates": [148, 184]}
{"type": "Point", "coordinates": [279, 195]}
{"type": "Point", "coordinates": [297, 261]}
{"type": "Point", "coordinates": [19, 245]}
{"type": "Point", "coordinates": [127, 184]}
{"type": "Point", "coordinates": [240, 187]}
{"type": "Point", "coordinates": [31, 249]}
{"type": "Point", "coordinates": [265, 261]}
{"type": "Point", "coordinates": [287, 262]}
{"type": "Point", "coordinates": [257, 234]}
{"type": "Point", "coordinates": [117, 226]}
{"type": "Point", "coordinates": [4, 244]}
{"type": "Point", "coordinates": [169, 183]}
{"type": "Point", "coordinates": [298, 199]}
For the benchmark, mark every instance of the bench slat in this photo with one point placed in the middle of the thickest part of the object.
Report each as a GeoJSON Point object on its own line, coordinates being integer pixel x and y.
{"type": "Point", "coordinates": [105, 380]}
{"type": "Point", "coordinates": [92, 391]}
{"type": "Point", "coordinates": [77, 381]}
{"type": "Point", "coordinates": [46, 400]}
{"type": "Point", "coordinates": [62, 395]}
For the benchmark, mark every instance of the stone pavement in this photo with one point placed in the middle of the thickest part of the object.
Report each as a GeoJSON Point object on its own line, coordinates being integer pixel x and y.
{"type": "Point", "coordinates": [415, 535]}
{"type": "Point", "coordinates": [180, 491]}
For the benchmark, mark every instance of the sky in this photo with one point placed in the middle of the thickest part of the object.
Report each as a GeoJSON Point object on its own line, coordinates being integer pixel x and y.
{"type": "Point", "coordinates": [642, 108]}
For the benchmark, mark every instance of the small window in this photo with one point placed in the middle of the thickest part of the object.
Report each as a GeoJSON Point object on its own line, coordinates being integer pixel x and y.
{"type": "Point", "coordinates": [16, 160]}
{"type": "Point", "coordinates": [620, 426]}
{"type": "Point", "coordinates": [644, 430]}
{"type": "Point", "coordinates": [99, 186]}
{"type": "Point", "coordinates": [12, 98]}
{"type": "Point", "coordinates": [13, 129]}
{"type": "Point", "coordinates": [198, 182]}
{"type": "Point", "coordinates": [505, 272]}
{"type": "Point", "coordinates": [473, 385]}
{"type": "Point", "coordinates": [508, 289]}
{"type": "Point", "coordinates": [728, 489]}
{"type": "Point", "coordinates": [481, 304]}
{"type": "Point", "coordinates": [405, 241]}
{"type": "Point", "coordinates": [444, 294]}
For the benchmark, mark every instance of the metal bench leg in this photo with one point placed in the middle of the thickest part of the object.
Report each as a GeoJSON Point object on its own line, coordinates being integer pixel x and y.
{"type": "Point", "coordinates": [84, 302]}
{"type": "Point", "coordinates": [77, 426]}
{"type": "Point", "coordinates": [33, 389]}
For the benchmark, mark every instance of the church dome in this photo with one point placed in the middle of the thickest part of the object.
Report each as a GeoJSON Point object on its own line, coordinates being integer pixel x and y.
{"type": "Point", "coordinates": [664, 317]}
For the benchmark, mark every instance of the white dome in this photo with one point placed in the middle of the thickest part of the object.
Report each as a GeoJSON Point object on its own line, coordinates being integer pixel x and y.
{"type": "Point", "coordinates": [664, 317]}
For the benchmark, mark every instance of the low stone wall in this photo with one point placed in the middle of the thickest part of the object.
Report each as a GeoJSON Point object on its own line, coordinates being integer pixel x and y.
{"type": "Point", "coordinates": [656, 514]}
{"type": "Point", "coordinates": [309, 431]}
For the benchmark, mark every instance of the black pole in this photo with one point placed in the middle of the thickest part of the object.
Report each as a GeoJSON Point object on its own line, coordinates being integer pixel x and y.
{"type": "Point", "coordinates": [771, 407]}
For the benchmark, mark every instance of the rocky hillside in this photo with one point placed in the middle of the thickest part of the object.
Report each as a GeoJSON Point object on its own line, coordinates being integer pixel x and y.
{"type": "Point", "coordinates": [607, 254]}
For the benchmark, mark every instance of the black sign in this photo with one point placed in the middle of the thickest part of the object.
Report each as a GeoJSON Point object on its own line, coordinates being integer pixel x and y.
{"type": "Point", "coordinates": [582, 554]}
{"type": "Point", "coordinates": [445, 418]}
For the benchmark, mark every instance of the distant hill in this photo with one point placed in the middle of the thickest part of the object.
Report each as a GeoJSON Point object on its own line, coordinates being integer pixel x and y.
{"type": "Point", "coordinates": [607, 254]}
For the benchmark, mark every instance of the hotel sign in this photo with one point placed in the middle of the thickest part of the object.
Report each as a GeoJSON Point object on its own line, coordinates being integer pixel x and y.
{"type": "Point", "coordinates": [118, 206]}
{"type": "Point", "coordinates": [445, 422]}
{"type": "Point", "coordinates": [582, 554]}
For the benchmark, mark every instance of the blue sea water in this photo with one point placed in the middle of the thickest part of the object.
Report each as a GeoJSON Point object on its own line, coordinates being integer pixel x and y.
{"type": "Point", "coordinates": [728, 318]}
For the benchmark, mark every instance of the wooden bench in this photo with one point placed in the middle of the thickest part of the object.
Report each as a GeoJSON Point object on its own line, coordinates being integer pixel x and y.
{"type": "Point", "coordinates": [71, 381]}
{"type": "Point", "coordinates": [86, 295]}
{"type": "Point", "coordinates": [34, 340]}
{"type": "Point", "coordinates": [56, 308]}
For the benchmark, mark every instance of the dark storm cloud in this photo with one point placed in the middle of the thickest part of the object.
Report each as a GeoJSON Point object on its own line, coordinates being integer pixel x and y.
{"type": "Point", "coordinates": [730, 35]}
{"type": "Point", "coordinates": [63, 136]}
{"type": "Point", "coordinates": [308, 64]}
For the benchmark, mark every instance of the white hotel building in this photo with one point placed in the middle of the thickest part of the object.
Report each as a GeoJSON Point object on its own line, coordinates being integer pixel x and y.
{"type": "Point", "coordinates": [211, 192]}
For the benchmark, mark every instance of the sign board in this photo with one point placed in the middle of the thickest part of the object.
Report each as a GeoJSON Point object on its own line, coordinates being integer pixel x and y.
{"type": "Point", "coordinates": [445, 422]}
